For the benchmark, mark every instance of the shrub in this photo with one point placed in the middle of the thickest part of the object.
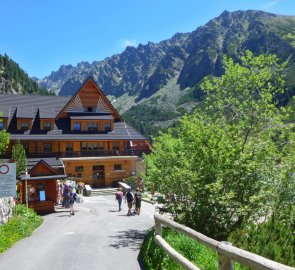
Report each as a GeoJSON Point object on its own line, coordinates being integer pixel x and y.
{"type": "Point", "coordinates": [21, 225]}
{"type": "Point", "coordinates": [272, 239]}
{"type": "Point", "coordinates": [155, 258]}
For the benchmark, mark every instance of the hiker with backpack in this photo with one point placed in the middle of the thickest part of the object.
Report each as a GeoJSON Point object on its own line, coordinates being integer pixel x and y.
{"type": "Point", "coordinates": [119, 197]}
{"type": "Point", "coordinates": [137, 196]}
{"type": "Point", "coordinates": [129, 197]}
{"type": "Point", "coordinates": [72, 198]}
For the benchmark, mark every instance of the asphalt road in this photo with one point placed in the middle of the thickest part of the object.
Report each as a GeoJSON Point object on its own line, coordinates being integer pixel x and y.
{"type": "Point", "coordinates": [97, 237]}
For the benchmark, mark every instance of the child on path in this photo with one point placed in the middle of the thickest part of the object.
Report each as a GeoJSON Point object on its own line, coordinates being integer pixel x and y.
{"type": "Point", "coordinates": [119, 197]}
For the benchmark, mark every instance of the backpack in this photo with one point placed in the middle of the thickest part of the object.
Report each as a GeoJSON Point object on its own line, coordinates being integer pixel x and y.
{"type": "Point", "coordinates": [118, 196]}
{"type": "Point", "coordinates": [129, 197]}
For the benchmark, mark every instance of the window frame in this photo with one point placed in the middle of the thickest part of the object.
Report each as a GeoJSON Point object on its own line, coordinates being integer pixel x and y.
{"type": "Point", "coordinates": [92, 126]}
{"type": "Point", "coordinates": [79, 169]}
{"type": "Point", "coordinates": [24, 125]}
{"type": "Point", "coordinates": [69, 149]}
{"type": "Point", "coordinates": [45, 125]}
{"type": "Point", "coordinates": [107, 127]}
{"type": "Point", "coordinates": [75, 128]}
{"type": "Point", "coordinates": [117, 167]}
{"type": "Point", "coordinates": [46, 149]}
{"type": "Point", "coordinates": [89, 146]}
{"type": "Point", "coordinates": [115, 146]}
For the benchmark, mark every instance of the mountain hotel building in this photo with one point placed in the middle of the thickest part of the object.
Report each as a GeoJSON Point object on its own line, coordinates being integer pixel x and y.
{"type": "Point", "coordinates": [82, 136]}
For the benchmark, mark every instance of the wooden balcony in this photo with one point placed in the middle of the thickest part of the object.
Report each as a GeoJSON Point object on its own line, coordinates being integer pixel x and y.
{"type": "Point", "coordinates": [88, 153]}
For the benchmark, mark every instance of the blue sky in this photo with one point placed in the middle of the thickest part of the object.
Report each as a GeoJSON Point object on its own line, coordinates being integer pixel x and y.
{"type": "Point", "coordinates": [41, 35]}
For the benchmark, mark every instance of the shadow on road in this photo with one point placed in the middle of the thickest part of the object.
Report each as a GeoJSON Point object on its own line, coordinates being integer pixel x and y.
{"type": "Point", "coordinates": [131, 239]}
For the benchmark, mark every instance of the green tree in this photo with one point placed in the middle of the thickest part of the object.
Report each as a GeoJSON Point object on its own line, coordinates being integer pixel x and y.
{"type": "Point", "coordinates": [4, 139]}
{"type": "Point", "coordinates": [232, 160]}
{"type": "Point", "coordinates": [19, 155]}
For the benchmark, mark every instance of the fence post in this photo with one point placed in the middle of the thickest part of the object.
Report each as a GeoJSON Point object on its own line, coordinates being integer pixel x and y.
{"type": "Point", "coordinates": [224, 263]}
{"type": "Point", "coordinates": [158, 228]}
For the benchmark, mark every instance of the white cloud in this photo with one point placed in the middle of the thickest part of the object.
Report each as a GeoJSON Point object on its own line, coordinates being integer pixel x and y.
{"type": "Point", "coordinates": [271, 3]}
{"type": "Point", "coordinates": [128, 42]}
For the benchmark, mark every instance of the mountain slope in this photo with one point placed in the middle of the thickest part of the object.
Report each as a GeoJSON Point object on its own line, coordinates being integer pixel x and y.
{"type": "Point", "coordinates": [161, 80]}
{"type": "Point", "coordinates": [15, 81]}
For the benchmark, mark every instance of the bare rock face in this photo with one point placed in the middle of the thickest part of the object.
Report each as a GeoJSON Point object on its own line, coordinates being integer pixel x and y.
{"type": "Point", "coordinates": [143, 70]}
{"type": "Point", "coordinates": [6, 206]}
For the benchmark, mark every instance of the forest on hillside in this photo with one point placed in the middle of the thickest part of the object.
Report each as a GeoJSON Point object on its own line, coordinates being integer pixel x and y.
{"type": "Point", "coordinates": [15, 80]}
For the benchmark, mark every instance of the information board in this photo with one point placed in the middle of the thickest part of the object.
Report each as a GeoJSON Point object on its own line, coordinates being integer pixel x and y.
{"type": "Point", "coordinates": [7, 180]}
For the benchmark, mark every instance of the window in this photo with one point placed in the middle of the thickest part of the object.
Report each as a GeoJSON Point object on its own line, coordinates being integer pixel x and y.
{"type": "Point", "coordinates": [36, 192]}
{"type": "Point", "coordinates": [89, 109]}
{"type": "Point", "coordinates": [89, 146]}
{"type": "Point", "coordinates": [47, 148]}
{"type": "Point", "coordinates": [117, 167]}
{"type": "Point", "coordinates": [69, 147]}
{"type": "Point", "coordinates": [26, 147]}
{"type": "Point", "coordinates": [107, 127]}
{"type": "Point", "coordinates": [101, 146]}
{"type": "Point", "coordinates": [1, 125]}
{"type": "Point", "coordinates": [24, 126]}
{"type": "Point", "coordinates": [79, 169]}
{"type": "Point", "coordinates": [98, 168]}
{"type": "Point", "coordinates": [77, 126]}
{"type": "Point", "coordinates": [92, 127]}
{"type": "Point", "coordinates": [47, 125]}
{"type": "Point", "coordinates": [115, 146]}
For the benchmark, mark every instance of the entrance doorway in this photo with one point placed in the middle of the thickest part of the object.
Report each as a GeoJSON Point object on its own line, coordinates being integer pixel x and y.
{"type": "Point", "coordinates": [98, 176]}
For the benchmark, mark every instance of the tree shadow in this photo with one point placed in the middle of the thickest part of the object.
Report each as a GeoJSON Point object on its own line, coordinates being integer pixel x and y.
{"type": "Point", "coordinates": [132, 239]}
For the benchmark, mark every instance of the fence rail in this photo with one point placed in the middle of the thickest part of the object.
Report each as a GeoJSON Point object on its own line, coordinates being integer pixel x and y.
{"type": "Point", "coordinates": [226, 252]}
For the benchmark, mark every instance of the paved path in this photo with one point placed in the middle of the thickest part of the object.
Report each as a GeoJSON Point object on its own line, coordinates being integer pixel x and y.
{"type": "Point", "coordinates": [97, 237]}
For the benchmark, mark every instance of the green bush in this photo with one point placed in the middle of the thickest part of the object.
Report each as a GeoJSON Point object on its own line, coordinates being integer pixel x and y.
{"type": "Point", "coordinates": [21, 225]}
{"type": "Point", "coordinates": [155, 258]}
{"type": "Point", "coordinates": [272, 239]}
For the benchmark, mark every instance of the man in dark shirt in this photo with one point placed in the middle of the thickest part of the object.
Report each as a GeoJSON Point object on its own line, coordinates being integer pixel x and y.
{"type": "Point", "coordinates": [137, 196]}
{"type": "Point", "coordinates": [129, 198]}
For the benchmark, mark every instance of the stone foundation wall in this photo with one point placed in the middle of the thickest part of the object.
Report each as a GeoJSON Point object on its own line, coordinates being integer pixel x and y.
{"type": "Point", "coordinates": [6, 206]}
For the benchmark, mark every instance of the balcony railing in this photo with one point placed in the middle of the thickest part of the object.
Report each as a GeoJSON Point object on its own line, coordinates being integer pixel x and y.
{"type": "Point", "coordinates": [88, 153]}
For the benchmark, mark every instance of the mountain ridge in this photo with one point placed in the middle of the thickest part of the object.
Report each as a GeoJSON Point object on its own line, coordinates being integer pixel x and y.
{"type": "Point", "coordinates": [142, 70]}
{"type": "Point", "coordinates": [154, 84]}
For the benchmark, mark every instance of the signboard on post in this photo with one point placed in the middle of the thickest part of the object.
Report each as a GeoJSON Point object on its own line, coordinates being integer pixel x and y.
{"type": "Point", "coordinates": [7, 180]}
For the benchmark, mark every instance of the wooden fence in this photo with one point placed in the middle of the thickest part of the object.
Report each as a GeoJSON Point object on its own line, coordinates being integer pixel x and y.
{"type": "Point", "coordinates": [226, 252]}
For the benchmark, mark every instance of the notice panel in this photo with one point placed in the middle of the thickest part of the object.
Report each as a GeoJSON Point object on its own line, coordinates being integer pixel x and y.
{"type": "Point", "coordinates": [7, 180]}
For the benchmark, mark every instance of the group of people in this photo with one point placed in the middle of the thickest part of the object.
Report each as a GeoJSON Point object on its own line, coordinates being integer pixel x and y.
{"type": "Point", "coordinates": [131, 199]}
{"type": "Point", "coordinates": [67, 197]}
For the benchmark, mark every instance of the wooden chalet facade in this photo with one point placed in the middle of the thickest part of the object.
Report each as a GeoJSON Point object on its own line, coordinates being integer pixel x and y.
{"type": "Point", "coordinates": [85, 132]}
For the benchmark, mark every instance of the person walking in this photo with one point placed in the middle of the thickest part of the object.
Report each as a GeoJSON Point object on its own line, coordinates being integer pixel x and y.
{"type": "Point", "coordinates": [137, 196]}
{"type": "Point", "coordinates": [129, 197]}
{"type": "Point", "coordinates": [119, 197]}
{"type": "Point", "coordinates": [72, 199]}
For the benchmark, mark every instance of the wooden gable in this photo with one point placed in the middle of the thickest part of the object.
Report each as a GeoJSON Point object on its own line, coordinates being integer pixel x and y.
{"type": "Point", "coordinates": [89, 96]}
{"type": "Point", "coordinates": [41, 169]}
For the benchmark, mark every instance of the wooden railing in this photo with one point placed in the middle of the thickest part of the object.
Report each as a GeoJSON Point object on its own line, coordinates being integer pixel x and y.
{"type": "Point", "coordinates": [86, 153]}
{"type": "Point", "coordinates": [226, 252]}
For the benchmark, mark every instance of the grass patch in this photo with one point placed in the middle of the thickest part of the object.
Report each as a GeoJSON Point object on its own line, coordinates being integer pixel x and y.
{"type": "Point", "coordinates": [21, 225]}
{"type": "Point", "coordinates": [155, 258]}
